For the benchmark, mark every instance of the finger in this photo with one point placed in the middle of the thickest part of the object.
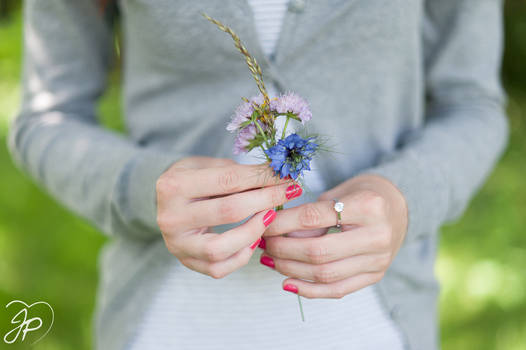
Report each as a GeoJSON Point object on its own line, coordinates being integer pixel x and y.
{"type": "Point", "coordinates": [226, 180]}
{"type": "Point", "coordinates": [329, 272]}
{"type": "Point", "coordinates": [236, 207]}
{"type": "Point", "coordinates": [199, 162]}
{"type": "Point", "coordinates": [310, 216]}
{"type": "Point", "coordinates": [304, 217]}
{"type": "Point", "coordinates": [308, 233]}
{"type": "Point", "coordinates": [332, 290]}
{"type": "Point", "coordinates": [220, 269]}
{"type": "Point", "coordinates": [217, 247]}
{"type": "Point", "coordinates": [329, 247]}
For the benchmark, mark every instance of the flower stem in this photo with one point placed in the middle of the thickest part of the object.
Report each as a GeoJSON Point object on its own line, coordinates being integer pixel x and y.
{"type": "Point", "coordinates": [262, 133]}
{"type": "Point", "coordinates": [263, 149]}
{"type": "Point", "coordinates": [301, 308]}
{"type": "Point", "coordinates": [285, 127]}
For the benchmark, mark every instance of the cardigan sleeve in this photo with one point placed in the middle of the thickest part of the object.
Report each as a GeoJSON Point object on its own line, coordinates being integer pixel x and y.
{"type": "Point", "coordinates": [439, 167]}
{"type": "Point", "coordinates": [100, 175]}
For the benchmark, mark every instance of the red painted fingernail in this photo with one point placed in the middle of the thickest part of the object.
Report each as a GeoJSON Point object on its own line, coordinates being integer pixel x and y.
{"type": "Point", "coordinates": [255, 244]}
{"type": "Point", "coordinates": [267, 261]}
{"type": "Point", "coordinates": [262, 243]}
{"type": "Point", "coordinates": [290, 288]}
{"type": "Point", "coordinates": [293, 191]}
{"type": "Point", "coordinates": [269, 217]}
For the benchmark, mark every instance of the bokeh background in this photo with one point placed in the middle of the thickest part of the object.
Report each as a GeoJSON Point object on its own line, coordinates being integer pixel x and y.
{"type": "Point", "coordinates": [46, 253]}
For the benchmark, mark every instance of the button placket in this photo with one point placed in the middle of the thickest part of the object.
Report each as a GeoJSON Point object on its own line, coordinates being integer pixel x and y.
{"type": "Point", "coordinates": [296, 6]}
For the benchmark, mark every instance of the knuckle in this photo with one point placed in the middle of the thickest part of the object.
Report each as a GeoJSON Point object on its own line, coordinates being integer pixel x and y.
{"type": "Point", "coordinates": [381, 239]}
{"type": "Point", "coordinates": [317, 253]}
{"type": "Point", "coordinates": [338, 292]}
{"type": "Point", "coordinates": [216, 272]}
{"type": "Point", "coordinates": [168, 185]}
{"type": "Point", "coordinates": [377, 277]}
{"type": "Point", "coordinates": [277, 196]}
{"type": "Point", "coordinates": [173, 246]}
{"type": "Point", "coordinates": [383, 261]}
{"type": "Point", "coordinates": [165, 221]}
{"type": "Point", "coordinates": [373, 203]}
{"type": "Point", "coordinates": [325, 274]}
{"type": "Point", "coordinates": [161, 184]}
{"type": "Point", "coordinates": [310, 216]}
{"type": "Point", "coordinates": [214, 252]}
{"type": "Point", "coordinates": [186, 263]}
{"type": "Point", "coordinates": [245, 259]}
{"type": "Point", "coordinates": [229, 180]}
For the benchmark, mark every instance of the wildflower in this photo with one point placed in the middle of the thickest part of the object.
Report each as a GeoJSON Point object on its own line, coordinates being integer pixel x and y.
{"type": "Point", "coordinates": [244, 112]}
{"type": "Point", "coordinates": [248, 138]}
{"type": "Point", "coordinates": [292, 103]}
{"type": "Point", "coordinates": [291, 155]}
{"type": "Point", "coordinates": [243, 139]}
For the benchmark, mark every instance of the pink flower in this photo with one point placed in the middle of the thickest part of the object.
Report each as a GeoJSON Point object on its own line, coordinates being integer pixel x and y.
{"type": "Point", "coordinates": [243, 139]}
{"type": "Point", "coordinates": [292, 103]}
{"type": "Point", "coordinates": [244, 112]}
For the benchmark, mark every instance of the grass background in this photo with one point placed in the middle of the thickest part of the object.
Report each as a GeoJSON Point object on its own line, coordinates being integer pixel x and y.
{"type": "Point", "coordinates": [46, 253]}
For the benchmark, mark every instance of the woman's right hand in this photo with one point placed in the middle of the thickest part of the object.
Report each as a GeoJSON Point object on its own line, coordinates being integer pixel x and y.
{"type": "Point", "coordinates": [197, 193]}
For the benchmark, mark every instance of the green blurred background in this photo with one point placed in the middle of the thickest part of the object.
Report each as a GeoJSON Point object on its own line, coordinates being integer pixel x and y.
{"type": "Point", "coordinates": [48, 254]}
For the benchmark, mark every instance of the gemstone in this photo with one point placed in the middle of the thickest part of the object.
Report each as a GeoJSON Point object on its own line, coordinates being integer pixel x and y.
{"type": "Point", "coordinates": [338, 207]}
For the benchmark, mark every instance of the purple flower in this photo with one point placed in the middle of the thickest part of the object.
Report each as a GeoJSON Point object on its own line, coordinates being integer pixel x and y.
{"type": "Point", "coordinates": [292, 103]}
{"type": "Point", "coordinates": [244, 112]}
{"type": "Point", "coordinates": [243, 139]}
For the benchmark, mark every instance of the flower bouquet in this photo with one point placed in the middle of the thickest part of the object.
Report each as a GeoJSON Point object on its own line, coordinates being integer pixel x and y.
{"type": "Point", "coordinates": [254, 121]}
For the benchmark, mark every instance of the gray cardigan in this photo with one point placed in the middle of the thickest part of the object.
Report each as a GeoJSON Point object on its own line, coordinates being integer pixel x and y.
{"type": "Point", "coordinates": [408, 90]}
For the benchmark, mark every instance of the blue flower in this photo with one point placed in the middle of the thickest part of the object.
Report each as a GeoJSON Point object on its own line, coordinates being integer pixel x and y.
{"type": "Point", "coordinates": [291, 155]}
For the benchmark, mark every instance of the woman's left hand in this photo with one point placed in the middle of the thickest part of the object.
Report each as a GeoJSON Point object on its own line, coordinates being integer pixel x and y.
{"type": "Point", "coordinates": [374, 224]}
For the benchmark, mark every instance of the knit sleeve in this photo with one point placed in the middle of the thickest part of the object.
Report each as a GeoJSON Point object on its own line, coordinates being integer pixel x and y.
{"type": "Point", "coordinates": [439, 167]}
{"type": "Point", "coordinates": [56, 138]}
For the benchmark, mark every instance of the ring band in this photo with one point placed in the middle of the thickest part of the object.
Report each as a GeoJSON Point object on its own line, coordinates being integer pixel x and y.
{"type": "Point", "coordinates": [338, 207]}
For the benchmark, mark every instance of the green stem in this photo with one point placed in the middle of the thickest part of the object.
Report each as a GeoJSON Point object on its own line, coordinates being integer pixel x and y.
{"type": "Point", "coordinates": [262, 133]}
{"type": "Point", "coordinates": [285, 127]}
{"type": "Point", "coordinates": [263, 149]}
{"type": "Point", "coordinates": [301, 308]}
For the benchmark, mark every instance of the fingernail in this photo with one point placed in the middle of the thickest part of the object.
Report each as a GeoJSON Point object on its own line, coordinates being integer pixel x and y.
{"type": "Point", "coordinates": [255, 244]}
{"type": "Point", "coordinates": [267, 261]}
{"type": "Point", "coordinates": [290, 288]}
{"type": "Point", "coordinates": [262, 243]}
{"type": "Point", "coordinates": [293, 191]}
{"type": "Point", "coordinates": [269, 217]}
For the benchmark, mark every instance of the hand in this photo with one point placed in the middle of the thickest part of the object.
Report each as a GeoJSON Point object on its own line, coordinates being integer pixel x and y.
{"type": "Point", "coordinates": [374, 224]}
{"type": "Point", "coordinates": [200, 192]}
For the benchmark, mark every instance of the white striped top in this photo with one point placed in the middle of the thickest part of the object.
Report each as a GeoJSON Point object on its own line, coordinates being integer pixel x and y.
{"type": "Point", "coordinates": [269, 17]}
{"type": "Point", "coordinates": [248, 309]}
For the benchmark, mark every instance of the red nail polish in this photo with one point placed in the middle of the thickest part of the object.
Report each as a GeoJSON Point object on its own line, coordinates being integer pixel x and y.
{"type": "Point", "coordinates": [269, 217]}
{"type": "Point", "coordinates": [293, 191]}
{"type": "Point", "coordinates": [267, 261]}
{"type": "Point", "coordinates": [290, 288]}
{"type": "Point", "coordinates": [262, 243]}
{"type": "Point", "coordinates": [255, 244]}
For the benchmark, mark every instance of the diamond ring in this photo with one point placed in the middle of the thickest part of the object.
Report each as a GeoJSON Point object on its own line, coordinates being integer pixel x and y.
{"type": "Point", "coordinates": [338, 207]}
